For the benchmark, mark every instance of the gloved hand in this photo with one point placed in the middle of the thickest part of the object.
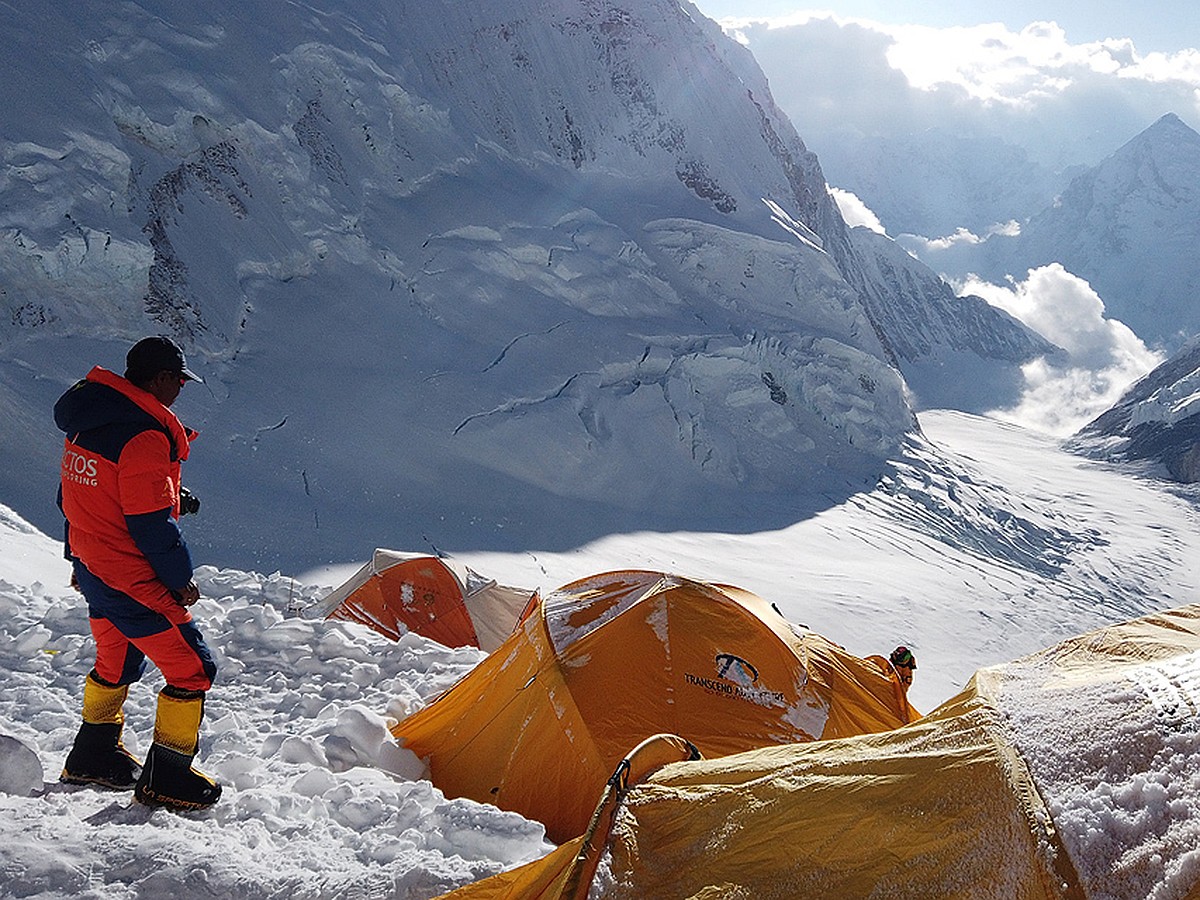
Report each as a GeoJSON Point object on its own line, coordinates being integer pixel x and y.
{"type": "Point", "coordinates": [188, 502]}
{"type": "Point", "coordinates": [187, 595]}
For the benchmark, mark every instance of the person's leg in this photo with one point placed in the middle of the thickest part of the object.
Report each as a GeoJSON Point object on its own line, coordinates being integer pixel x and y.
{"type": "Point", "coordinates": [132, 633]}
{"type": "Point", "coordinates": [181, 655]}
{"type": "Point", "coordinates": [168, 778]}
{"type": "Point", "coordinates": [98, 756]}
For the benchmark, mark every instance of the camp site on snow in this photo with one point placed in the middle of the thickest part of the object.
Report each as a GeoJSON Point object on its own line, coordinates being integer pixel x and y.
{"type": "Point", "coordinates": [680, 738]}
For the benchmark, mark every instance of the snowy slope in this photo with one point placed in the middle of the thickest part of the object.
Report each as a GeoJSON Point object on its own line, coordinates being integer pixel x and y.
{"type": "Point", "coordinates": [956, 352]}
{"type": "Point", "coordinates": [507, 273]}
{"type": "Point", "coordinates": [992, 545]}
{"type": "Point", "coordinates": [443, 273]}
{"type": "Point", "coordinates": [1158, 419]}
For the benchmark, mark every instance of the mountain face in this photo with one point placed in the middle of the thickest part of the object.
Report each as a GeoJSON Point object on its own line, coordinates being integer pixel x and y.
{"type": "Point", "coordinates": [1158, 419]}
{"type": "Point", "coordinates": [936, 337]}
{"type": "Point", "coordinates": [476, 275]}
{"type": "Point", "coordinates": [1130, 226]}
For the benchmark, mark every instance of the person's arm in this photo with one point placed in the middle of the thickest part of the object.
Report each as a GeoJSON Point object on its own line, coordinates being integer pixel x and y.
{"type": "Point", "coordinates": [66, 527]}
{"type": "Point", "coordinates": [148, 497]}
{"type": "Point", "coordinates": [160, 541]}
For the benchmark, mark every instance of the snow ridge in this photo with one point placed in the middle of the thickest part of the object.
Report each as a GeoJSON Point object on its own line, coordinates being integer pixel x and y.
{"type": "Point", "coordinates": [532, 241]}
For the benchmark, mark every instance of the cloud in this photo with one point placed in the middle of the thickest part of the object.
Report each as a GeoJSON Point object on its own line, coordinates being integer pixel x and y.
{"type": "Point", "coordinates": [1102, 356]}
{"type": "Point", "coordinates": [854, 211]}
{"type": "Point", "coordinates": [1066, 103]}
{"type": "Point", "coordinates": [918, 244]}
{"type": "Point", "coordinates": [992, 63]}
{"type": "Point", "coordinates": [957, 252]}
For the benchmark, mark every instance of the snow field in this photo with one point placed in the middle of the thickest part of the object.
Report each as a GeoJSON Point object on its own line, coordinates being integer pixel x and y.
{"type": "Point", "coordinates": [988, 544]}
{"type": "Point", "coordinates": [319, 800]}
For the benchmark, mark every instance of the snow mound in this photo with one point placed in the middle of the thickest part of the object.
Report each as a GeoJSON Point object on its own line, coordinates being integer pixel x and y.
{"type": "Point", "coordinates": [319, 800]}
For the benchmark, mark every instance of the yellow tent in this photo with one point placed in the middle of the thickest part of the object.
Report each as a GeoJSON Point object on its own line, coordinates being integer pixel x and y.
{"type": "Point", "coordinates": [1071, 773]}
{"type": "Point", "coordinates": [610, 660]}
{"type": "Point", "coordinates": [442, 599]}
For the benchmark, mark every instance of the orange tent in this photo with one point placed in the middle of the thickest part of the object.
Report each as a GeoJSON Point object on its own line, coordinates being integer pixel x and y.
{"type": "Point", "coordinates": [441, 599]}
{"type": "Point", "coordinates": [608, 661]}
{"type": "Point", "coordinates": [1067, 774]}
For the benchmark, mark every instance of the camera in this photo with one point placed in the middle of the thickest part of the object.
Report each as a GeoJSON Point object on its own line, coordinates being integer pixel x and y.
{"type": "Point", "coordinates": [188, 502]}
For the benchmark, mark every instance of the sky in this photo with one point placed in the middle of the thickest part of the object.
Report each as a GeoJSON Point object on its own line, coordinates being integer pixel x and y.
{"type": "Point", "coordinates": [1067, 83]}
{"type": "Point", "coordinates": [1155, 25]}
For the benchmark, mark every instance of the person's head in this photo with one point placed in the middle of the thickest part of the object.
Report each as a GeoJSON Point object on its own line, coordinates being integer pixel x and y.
{"type": "Point", "coordinates": [905, 664]}
{"type": "Point", "coordinates": [156, 364]}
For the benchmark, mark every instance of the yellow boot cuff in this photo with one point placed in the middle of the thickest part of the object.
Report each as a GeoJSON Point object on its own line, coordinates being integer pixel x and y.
{"type": "Point", "coordinates": [102, 702]}
{"type": "Point", "coordinates": [177, 724]}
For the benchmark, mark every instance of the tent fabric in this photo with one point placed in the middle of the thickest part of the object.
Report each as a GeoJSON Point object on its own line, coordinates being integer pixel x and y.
{"type": "Point", "coordinates": [567, 872]}
{"type": "Point", "coordinates": [1000, 792]}
{"type": "Point", "coordinates": [439, 598]}
{"type": "Point", "coordinates": [607, 661]}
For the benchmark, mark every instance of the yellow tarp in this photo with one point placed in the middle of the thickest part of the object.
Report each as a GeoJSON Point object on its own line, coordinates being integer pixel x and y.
{"type": "Point", "coordinates": [988, 796]}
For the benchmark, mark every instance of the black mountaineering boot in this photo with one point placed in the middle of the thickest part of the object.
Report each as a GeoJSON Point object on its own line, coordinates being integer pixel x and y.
{"type": "Point", "coordinates": [168, 778]}
{"type": "Point", "coordinates": [98, 756]}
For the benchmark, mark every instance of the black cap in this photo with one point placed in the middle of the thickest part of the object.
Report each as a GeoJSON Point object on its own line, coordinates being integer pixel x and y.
{"type": "Point", "coordinates": [902, 656]}
{"type": "Point", "coordinates": [152, 355]}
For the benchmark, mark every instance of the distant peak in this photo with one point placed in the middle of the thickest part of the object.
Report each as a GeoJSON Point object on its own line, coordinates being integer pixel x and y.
{"type": "Point", "coordinates": [1169, 131]}
{"type": "Point", "coordinates": [1170, 120]}
{"type": "Point", "coordinates": [1172, 124]}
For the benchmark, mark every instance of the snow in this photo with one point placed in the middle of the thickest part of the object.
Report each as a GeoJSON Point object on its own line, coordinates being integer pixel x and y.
{"type": "Point", "coordinates": [1125, 800]}
{"type": "Point", "coordinates": [537, 255]}
{"type": "Point", "coordinates": [319, 800]}
{"type": "Point", "coordinates": [20, 769]}
{"type": "Point", "coordinates": [1169, 405]}
{"type": "Point", "coordinates": [995, 544]}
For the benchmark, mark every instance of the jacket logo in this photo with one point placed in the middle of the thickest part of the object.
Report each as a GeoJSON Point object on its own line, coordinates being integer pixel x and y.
{"type": "Point", "coordinates": [79, 468]}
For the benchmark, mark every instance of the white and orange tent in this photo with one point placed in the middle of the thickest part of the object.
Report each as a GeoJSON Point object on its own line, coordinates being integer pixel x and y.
{"type": "Point", "coordinates": [605, 662]}
{"type": "Point", "coordinates": [439, 598]}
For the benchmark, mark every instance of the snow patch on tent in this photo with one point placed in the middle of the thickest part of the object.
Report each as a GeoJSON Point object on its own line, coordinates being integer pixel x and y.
{"type": "Point", "coordinates": [1173, 687]}
{"type": "Point", "coordinates": [562, 613]}
{"type": "Point", "coordinates": [1117, 759]}
{"type": "Point", "coordinates": [658, 619]}
{"type": "Point", "coordinates": [809, 715]}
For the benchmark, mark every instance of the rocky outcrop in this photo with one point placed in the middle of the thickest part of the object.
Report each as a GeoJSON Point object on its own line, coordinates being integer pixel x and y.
{"type": "Point", "coordinates": [1158, 419]}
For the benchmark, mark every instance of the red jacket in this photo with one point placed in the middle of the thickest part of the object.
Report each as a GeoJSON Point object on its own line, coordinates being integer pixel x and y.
{"type": "Point", "coordinates": [120, 489]}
